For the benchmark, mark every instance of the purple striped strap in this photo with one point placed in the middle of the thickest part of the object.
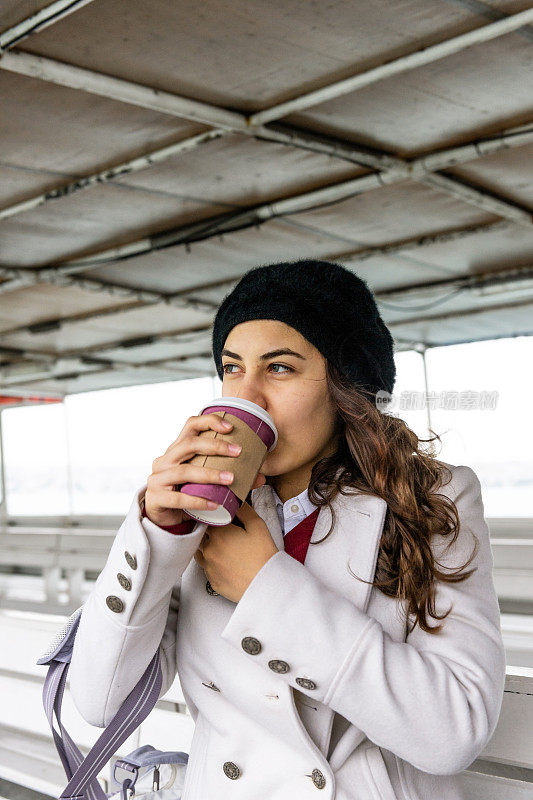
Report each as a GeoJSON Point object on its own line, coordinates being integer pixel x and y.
{"type": "Point", "coordinates": [82, 772]}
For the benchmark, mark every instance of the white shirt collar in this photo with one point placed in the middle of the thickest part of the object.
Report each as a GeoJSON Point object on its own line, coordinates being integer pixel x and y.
{"type": "Point", "coordinates": [294, 510]}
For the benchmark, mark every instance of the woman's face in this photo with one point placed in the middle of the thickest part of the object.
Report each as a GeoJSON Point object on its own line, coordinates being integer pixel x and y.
{"type": "Point", "coordinates": [291, 387]}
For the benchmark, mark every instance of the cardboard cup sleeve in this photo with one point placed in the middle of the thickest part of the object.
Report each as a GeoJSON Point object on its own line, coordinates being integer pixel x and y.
{"type": "Point", "coordinates": [246, 465]}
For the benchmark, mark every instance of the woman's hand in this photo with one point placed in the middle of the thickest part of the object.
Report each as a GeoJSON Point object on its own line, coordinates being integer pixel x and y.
{"type": "Point", "coordinates": [163, 504]}
{"type": "Point", "coordinates": [232, 556]}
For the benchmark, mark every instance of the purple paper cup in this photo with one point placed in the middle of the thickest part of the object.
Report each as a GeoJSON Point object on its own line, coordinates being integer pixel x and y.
{"type": "Point", "coordinates": [262, 424]}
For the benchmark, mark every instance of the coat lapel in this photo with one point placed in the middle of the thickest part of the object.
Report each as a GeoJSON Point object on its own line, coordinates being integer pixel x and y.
{"type": "Point", "coordinates": [352, 545]}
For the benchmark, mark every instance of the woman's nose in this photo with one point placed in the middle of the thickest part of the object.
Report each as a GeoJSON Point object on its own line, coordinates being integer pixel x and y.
{"type": "Point", "coordinates": [252, 397]}
{"type": "Point", "coordinates": [250, 390]}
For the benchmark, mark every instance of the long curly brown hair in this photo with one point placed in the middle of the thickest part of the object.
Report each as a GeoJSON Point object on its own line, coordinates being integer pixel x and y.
{"type": "Point", "coordinates": [379, 454]}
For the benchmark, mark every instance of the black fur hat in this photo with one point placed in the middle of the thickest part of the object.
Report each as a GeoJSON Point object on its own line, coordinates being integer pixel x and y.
{"type": "Point", "coordinates": [328, 304]}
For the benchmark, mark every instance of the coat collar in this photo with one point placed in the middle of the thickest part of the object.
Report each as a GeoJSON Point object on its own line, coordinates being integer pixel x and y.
{"type": "Point", "coordinates": [352, 545]}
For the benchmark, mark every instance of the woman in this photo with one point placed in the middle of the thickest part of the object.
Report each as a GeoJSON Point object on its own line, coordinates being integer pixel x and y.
{"type": "Point", "coordinates": [305, 644]}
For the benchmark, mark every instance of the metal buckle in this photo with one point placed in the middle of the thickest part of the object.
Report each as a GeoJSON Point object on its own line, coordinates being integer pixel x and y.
{"type": "Point", "coordinates": [155, 784]}
{"type": "Point", "coordinates": [128, 783]}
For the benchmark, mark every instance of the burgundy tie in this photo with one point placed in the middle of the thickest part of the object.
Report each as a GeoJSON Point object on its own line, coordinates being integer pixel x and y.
{"type": "Point", "coordinates": [297, 540]}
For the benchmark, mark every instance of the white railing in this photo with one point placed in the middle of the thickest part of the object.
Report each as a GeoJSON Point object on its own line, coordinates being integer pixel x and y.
{"type": "Point", "coordinates": [72, 552]}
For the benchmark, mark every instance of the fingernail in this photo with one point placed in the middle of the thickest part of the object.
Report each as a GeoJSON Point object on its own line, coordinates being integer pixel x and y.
{"type": "Point", "coordinates": [234, 448]}
{"type": "Point", "coordinates": [226, 424]}
{"type": "Point", "coordinates": [226, 476]}
{"type": "Point", "coordinates": [210, 504]}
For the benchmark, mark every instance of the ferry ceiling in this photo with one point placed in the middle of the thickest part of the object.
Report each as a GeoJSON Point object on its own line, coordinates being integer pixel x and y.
{"type": "Point", "coordinates": [150, 154]}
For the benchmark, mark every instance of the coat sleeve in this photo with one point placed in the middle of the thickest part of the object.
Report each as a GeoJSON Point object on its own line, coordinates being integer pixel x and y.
{"type": "Point", "coordinates": [434, 699]}
{"type": "Point", "coordinates": [113, 648]}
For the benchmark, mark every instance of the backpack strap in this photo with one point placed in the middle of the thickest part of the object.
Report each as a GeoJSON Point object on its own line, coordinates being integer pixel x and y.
{"type": "Point", "coordinates": [82, 771]}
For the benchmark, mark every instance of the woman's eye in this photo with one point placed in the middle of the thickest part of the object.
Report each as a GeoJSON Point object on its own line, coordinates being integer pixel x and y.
{"type": "Point", "coordinates": [284, 366]}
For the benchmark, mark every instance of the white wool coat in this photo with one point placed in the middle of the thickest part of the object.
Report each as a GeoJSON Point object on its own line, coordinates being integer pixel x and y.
{"type": "Point", "coordinates": [389, 716]}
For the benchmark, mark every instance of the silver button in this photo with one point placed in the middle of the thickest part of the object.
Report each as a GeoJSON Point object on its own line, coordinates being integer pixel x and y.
{"type": "Point", "coordinates": [231, 770]}
{"type": "Point", "coordinates": [294, 507]}
{"type": "Point", "coordinates": [209, 589]}
{"type": "Point", "coordinates": [130, 560]}
{"type": "Point", "coordinates": [305, 683]}
{"type": "Point", "coordinates": [279, 666]}
{"type": "Point", "coordinates": [318, 779]}
{"type": "Point", "coordinates": [114, 603]}
{"type": "Point", "coordinates": [124, 582]}
{"type": "Point", "coordinates": [251, 645]}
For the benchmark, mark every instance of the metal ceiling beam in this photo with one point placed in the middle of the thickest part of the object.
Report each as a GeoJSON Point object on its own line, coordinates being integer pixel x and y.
{"type": "Point", "coordinates": [176, 105]}
{"type": "Point", "coordinates": [75, 370]}
{"type": "Point", "coordinates": [86, 80]}
{"type": "Point", "coordinates": [104, 176]}
{"type": "Point", "coordinates": [488, 283]}
{"type": "Point", "coordinates": [185, 299]}
{"type": "Point", "coordinates": [394, 169]}
{"type": "Point", "coordinates": [467, 312]}
{"type": "Point", "coordinates": [74, 77]}
{"type": "Point", "coordinates": [52, 367]}
{"type": "Point", "coordinates": [39, 21]}
{"type": "Point", "coordinates": [421, 242]}
{"type": "Point", "coordinates": [285, 135]}
{"type": "Point", "coordinates": [194, 110]}
{"type": "Point", "coordinates": [239, 220]}
{"type": "Point", "coordinates": [483, 9]}
{"type": "Point", "coordinates": [480, 198]}
{"type": "Point", "coordinates": [168, 372]}
{"type": "Point", "coordinates": [403, 344]}
{"type": "Point", "coordinates": [417, 169]}
{"type": "Point", "coordinates": [397, 66]}
{"type": "Point", "coordinates": [506, 139]}
{"type": "Point", "coordinates": [125, 91]}
{"type": "Point", "coordinates": [191, 336]}
{"type": "Point", "coordinates": [293, 137]}
{"type": "Point", "coordinates": [231, 221]}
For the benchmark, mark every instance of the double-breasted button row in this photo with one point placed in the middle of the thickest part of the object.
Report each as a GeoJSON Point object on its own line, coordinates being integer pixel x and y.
{"type": "Point", "coordinates": [112, 601]}
{"type": "Point", "coordinates": [232, 771]}
{"type": "Point", "coordinates": [252, 646]}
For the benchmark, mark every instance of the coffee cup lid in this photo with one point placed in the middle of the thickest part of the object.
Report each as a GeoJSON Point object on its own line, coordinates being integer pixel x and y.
{"type": "Point", "coordinates": [245, 405]}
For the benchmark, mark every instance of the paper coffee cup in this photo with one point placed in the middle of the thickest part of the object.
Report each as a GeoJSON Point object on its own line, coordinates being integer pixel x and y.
{"type": "Point", "coordinates": [254, 429]}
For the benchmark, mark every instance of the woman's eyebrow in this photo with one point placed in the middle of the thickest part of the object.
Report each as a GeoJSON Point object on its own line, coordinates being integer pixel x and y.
{"type": "Point", "coordinates": [285, 351]}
